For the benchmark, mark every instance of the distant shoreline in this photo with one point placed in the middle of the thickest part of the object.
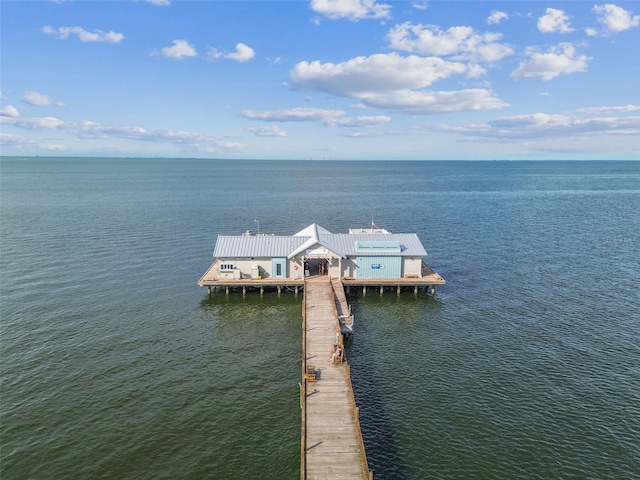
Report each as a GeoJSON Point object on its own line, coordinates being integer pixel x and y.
{"type": "Point", "coordinates": [126, 158]}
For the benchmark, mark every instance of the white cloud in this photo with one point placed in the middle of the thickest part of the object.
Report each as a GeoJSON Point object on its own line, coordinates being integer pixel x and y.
{"type": "Point", "coordinates": [39, 99]}
{"type": "Point", "coordinates": [423, 102]}
{"type": "Point", "coordinates": [395, 83]}
{"type": "Point", "coordinates": [351, 9]}
{"type": "Point", "coordinates": [37, 123]}
{"type": "Point", "coordinates": [475, 71]}
{"type": "Point", "coordinates": [361, 121]}
{"type": "Point", "coordinates": [267, 131]}
{"type": "Point", "coordinates": [96, 36]}
{"type": "Point", "coordinates": [369, 134]}
{"type": "Point", "coordinates": [19, 142]}
{"type": "Point", "coordinates": [213, 54]}
{"type": "Point", "coordinates": [535, 119]}
{"type": "Point", "coordinates": [558, 60]}
{"type": "Point", "coordinates": [331, 118]}
{"type": "Point", "coordinates": [462, 43]}
{"type": "Point", "coordinates": [615, 18]}
{"type": "Point", "coordinates": [292, 115]}
{"type": "Point", "coordinates": [9, 111]}
{"type": "Point", "coordinates": [159, 3]}
{"type": "Point", "coordinates": [179, 50]}
{"type": "Point", "coordinates": [242, 53]}
{"type": "Point", "coordinates": [563, 125]}
{"type": "Point", "coordinates": [496, 17]}
{"type": "Point", "coordinates": [376, 73]}
{"type": "Point", "coordinates": [88, 130]}
{"type": "Point", "coordinates": [554, 20]}
{"type": "Point", "coordinates": [610, 110]}
{"type": "Point", "coordinates": [544, 126]}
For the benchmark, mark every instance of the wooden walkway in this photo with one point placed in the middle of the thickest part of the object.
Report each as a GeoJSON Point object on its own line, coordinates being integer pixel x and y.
{"type": "Point", "coordinates": [332, 445]}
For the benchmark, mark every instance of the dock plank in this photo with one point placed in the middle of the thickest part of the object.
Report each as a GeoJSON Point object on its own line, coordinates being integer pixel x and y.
{"type": "Point", "coordinates": [333, 449]}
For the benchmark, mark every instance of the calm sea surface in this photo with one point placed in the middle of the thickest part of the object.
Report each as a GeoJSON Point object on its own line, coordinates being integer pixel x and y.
{"type": "Point", "coordinates": [116, 365]}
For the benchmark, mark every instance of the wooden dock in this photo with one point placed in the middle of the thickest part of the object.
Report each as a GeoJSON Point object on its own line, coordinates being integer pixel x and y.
{"type": "Point", "coordinates": [331, 440]}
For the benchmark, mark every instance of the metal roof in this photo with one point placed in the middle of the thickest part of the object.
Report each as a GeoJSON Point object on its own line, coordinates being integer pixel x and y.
{"type": "Point", "coordinates": [256, 246]}
{"type": "Point", "coordinates": [343, 244]}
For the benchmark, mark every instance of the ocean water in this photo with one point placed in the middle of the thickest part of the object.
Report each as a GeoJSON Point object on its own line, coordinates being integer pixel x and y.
{"type": "Point", "coordinates": [116, 365]}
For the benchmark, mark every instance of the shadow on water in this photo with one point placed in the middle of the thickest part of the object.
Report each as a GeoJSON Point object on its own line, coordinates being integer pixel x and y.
{"type": "Point", "coordinates": [370, 353]}
{"type": "Point", "coordinates": [255, 368]}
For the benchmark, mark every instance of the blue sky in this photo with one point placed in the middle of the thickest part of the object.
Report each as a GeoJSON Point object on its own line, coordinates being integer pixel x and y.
{"type": "Point", "coordinates": [321, 79]}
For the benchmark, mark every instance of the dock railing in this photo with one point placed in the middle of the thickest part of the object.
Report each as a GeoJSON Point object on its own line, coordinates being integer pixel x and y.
{"type": "Point", "coordinates": [303, 394]}
{"type": "Point", "coordinates": [356, 410]}
{"type": "Point", "coordinates": [339, 336]}
{"type": "Point", "coordinates": [352, 398]}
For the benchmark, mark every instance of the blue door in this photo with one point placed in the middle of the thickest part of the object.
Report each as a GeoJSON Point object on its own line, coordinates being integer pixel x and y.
{"type": "Point", "coordinates": [279, 267]}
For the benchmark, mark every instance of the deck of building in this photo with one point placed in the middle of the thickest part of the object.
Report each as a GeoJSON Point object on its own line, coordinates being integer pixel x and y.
{"type": "Point", "coordinates": [428, 279]}
{"type": "Point", "coordinates": [212, 280]}
{"type": "Point", "coordinates": [331, 444]}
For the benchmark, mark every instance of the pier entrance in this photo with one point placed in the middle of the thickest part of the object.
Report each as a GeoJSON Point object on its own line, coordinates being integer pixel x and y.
{"type": "Point", "coordinates": [317, 267]}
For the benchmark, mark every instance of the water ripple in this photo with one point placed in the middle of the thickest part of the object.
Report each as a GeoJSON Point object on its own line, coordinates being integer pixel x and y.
{"type": "Point", "coordinates": [116, 365]}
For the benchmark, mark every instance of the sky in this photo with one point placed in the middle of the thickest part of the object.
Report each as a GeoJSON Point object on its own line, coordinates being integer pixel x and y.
{"type": "Point", "coordinates": [321, 79]}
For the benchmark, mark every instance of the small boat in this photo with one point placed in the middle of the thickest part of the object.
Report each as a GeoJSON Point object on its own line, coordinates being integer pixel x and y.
{"type": "Point", "coordinates": [346, 324]}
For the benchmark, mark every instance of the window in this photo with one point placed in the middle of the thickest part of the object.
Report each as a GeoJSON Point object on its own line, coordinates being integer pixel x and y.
{"type": "Point", "coordinates": [378, 247]}
{"type": "Point", "coordinates": [226, 266]}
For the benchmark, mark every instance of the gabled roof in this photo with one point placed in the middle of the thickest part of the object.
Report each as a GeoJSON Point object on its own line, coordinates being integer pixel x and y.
{"type": "Point", "coordinates": [314, 231]}
{"type": "Point", "coordinates": [314, 236]}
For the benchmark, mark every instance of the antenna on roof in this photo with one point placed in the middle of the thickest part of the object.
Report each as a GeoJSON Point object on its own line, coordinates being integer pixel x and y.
{"type": "Point", "coordinates": [258, 226]}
